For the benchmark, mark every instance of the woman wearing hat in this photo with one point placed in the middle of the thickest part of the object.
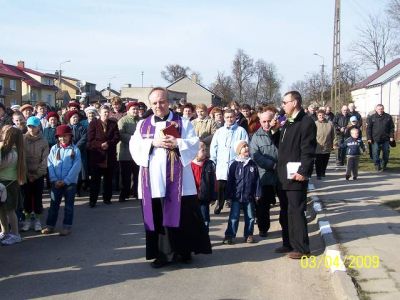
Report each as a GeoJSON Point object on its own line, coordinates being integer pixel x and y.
{"type": "Point", "coordinates": [79, 139]}
{"type": "Point", "coordinates": [26, 110]}
{"type": "Point", "coordinates": [36, 151]}
{"type": "Point", "coordinates": [64, 165]}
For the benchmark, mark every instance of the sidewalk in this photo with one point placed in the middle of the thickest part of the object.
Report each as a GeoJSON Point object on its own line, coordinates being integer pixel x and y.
{"type": "Point", "coordinates": [364, 227]}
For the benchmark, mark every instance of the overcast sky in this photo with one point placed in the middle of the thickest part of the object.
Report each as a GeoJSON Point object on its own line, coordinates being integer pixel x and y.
{"type": "Point", "coordinates": [114, 41]}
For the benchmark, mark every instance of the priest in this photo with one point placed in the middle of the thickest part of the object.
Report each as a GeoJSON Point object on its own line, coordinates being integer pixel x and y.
{"type": "Point", "coordinates": [163, 145]}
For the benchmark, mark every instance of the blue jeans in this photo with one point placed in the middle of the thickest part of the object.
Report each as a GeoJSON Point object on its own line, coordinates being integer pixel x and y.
{"type": "Point", "coordinates": [234, 215]}
{"type": "Point", "coordinates": [68, 192]}
{"type": "Point", "coordinates": [205, 212]}
{"type": "Point", "coordinates": [376, 153]}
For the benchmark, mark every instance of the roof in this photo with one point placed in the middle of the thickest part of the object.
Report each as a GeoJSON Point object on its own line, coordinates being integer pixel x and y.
{"type": "Point", "coordinates": [381, 76]}
{"type": "Point", "coordinates": [4, 71]}
{"type": "Point", "coordinates": [28, 79]}
{"type": "Point", "coordinates": [55, 76]}
{"type": "Point", "coordinates": [111, 90]}
{"type": "Point", "coordinates": [179, 79]}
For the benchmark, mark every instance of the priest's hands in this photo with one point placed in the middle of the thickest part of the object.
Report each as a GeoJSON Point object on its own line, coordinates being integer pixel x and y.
{"type": "Point", "coordinates": [167, 142]}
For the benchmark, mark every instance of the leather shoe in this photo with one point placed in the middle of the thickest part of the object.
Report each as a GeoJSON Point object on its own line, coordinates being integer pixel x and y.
{"type": "Point", "coordinates": [108, 202]}
{"type": "Point", "coordinates": [283, 249]}
{"type": "Point", "coordinates": [263, 234]}
{"type": "Point", "coordinates": [297, 255]}
{"type": "Point", "coordinates": [159, 263]}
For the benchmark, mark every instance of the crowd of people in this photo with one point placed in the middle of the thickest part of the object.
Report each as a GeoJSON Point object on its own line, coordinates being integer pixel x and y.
{"type": "Point", "coordinates": [179, 160]}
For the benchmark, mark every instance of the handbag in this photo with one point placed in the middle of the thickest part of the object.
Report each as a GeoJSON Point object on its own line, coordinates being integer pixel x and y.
{"type": "Point", "coordinates": [392, 143]}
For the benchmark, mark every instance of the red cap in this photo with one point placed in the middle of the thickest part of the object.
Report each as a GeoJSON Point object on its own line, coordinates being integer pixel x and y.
{"type": "Point", "coordinates": [130, 104]}
{"type": "Point", "coordinates": [73, 104]}
{"type": "Point", "coordinates": [53, 114]}
{"type": "Point", "coordinates": [69, 114]}
{"type": "Point", "coordinates": [62, 130]}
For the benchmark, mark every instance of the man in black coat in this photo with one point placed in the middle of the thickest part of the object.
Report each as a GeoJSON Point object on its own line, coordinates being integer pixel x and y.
{"type": "Point", "coordinates": [380, 131]}
{"type": "Point", "coordinates": [296, 145]}
{"type": "Point", "coordinates": [340, 123]}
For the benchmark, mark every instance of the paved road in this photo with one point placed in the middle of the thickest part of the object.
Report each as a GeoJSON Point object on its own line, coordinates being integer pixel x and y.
{"type": "Point", "coordinates": [104, 258]}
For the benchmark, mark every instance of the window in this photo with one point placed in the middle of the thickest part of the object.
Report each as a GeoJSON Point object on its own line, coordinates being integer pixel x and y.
{"type": "Point", "coordinates": [49, 98]}
{"type": "Point", "coordinates": [13, 85]}
{"type": "Point", "coordinates": [33, 96]}
{"type": "Point", "coordinates": [1, 86]}
{"type": "Point", "coordinates": [13, 102]}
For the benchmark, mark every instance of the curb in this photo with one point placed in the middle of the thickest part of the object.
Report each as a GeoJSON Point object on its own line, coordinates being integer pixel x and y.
{"type": "Point", "coordinates": [342, 283]}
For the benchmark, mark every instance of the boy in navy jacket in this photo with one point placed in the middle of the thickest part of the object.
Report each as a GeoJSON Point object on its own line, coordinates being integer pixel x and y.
{"type": "Point", "coordinates": [243, 188]}
{"type": "Point", "coordinates": [354, 147]}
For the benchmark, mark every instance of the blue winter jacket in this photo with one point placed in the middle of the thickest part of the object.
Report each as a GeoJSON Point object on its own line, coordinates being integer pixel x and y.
{"type": "Point", "coordinates": [243, 181]}
{"type": "Point", "coordinates": [49, 133]}
{"type": "Point", "coordinates": [354, 146]}
{"type": "Point", "coordinates": [67, 168]}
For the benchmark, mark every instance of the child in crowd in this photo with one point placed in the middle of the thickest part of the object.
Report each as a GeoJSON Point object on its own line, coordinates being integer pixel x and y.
{"type": "Point", "coordinates": [204, 177]}
{"type": "Point", "coordinates": [64, 163]}
{"type": "Point", "coordinates": [354, 147]}
{"type": "Point", "coordinates": [49, 133]}
{"type": "Point", "coordinates": [244, 189]}
{"type": "Point", "coordinates": [12, 175]}
{"type": "Point", "coordinates": [19, 122]}
{"type": "Point", "coordinates": [36, 151]}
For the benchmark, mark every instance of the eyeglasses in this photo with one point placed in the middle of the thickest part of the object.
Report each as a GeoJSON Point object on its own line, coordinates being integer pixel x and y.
{"type": "Point", "coordinates": [286, 102]}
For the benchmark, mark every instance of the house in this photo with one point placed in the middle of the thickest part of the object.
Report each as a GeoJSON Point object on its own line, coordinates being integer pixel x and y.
{"type": "Point", "coordinates": [109, 93]}
{"type": "Point", "coordinates": [195, 92]}
{"type": "Point", "coordinates": [35, 86]}
{"type": "Point", "coordinates": [382, 87]}
{"type": "Point", "coordinates": [68, 86]}
{"type": "Point", "coordinates": [141, 94]}
{"type": "Point", "coordinates": [10, 86]}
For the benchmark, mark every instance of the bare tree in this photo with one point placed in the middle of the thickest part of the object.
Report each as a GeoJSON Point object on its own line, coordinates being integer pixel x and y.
{"type": "Point", "coordinates": [223, 87]}
{"type": "Point", "coordinates": [266, 83]}
{"type": "Point", "coordinates": [376, 43]}
{"type": "Point", "coordinates": [393, 11]}
{"type": "Point", "coordinates": [173, 72]}
{"type": "Point", "coordinates": [242, 71]}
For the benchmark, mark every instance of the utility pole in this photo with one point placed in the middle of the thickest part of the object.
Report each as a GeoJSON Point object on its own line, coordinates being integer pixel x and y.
{"type": "Point", "coordinates": [335, 90]}
{"type": "Point", "coordinates": [142, 77]}
{"type": "Point", "coordinates": [322, 78]}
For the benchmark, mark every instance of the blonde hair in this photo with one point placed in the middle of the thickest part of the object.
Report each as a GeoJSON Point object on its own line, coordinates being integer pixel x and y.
{"type": "Point", "coordinates": [13, 138]}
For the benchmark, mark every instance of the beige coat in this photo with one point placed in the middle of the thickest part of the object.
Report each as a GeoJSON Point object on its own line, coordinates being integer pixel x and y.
{"type": "Point", "coordinates": [36, 153]}
{"type": "Point", "coordinates": [205, 129]}
{"type": "Point", "coordinates": [325, 137]}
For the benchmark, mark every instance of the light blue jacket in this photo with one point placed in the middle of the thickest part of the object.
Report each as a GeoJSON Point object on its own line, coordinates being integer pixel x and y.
{"type": "Point", "coordinates": [65, 169]}
{"type": "Point", "coordinates": [222, 148]}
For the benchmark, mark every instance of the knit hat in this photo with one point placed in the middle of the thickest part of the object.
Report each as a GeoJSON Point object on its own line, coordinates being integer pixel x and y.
{"type": "Point", "coordinates": [69, 114]}
{"type": "Point", "coordinates": [130, 104]}
{"type": "Point", "coordinates": [90, 109]}
{"type": "Point", "coordinates": [142, 106]}
{"type": "Point", "coordinates": [52, 114]}
{"type": "Point", "coordinates": [15, 107]}
{"type": "Point", "coordinates": [63, 130]}
{"type": "Point", "coordinates": [353, 119]}
{"type": "Point", "coordinates": [239, 145]}
{"type": "Point", "coordinates": [26, 106]}
{"type": "Point", "coordinates": [73, 104]}
{"type": "Point", "coordinates": [33, 121]}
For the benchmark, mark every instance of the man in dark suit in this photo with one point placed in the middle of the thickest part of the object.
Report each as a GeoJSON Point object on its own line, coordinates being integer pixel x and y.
{"type": "Point", "coordinates": [297, 144]}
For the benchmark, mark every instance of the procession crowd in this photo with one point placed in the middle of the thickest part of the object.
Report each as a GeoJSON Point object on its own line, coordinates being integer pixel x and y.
{"type": "Point", "coordinates": [180, 160]}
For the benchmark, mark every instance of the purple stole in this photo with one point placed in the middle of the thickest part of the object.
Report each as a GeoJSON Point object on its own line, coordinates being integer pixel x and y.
{"type": "Point", "coordinates": [173, 192]}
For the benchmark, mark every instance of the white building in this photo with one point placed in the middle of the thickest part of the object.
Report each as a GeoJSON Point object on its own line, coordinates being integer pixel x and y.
{"type": "Point", "coordinates": [382, 87]}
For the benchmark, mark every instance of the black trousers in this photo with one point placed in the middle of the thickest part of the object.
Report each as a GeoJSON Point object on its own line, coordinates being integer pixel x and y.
{"type": "Point", "coordinates": [190, 236]}
{"type": "Point", "coordinates": [221, 193]}
{"type": "Point", "coordinates": [263, 207]}
{"type": "Point", "coordinates": [33, 192]}
{"type": "Point", "coordinates": [95, 180]}
{"type": "Point", "coordinates": [321, 163]}
{"type": "Point", "coordinates": [283, 217]}
{"type": "Point", "coordinates": [294, 207]}
{"type": "Point", "coordinates": [129, 179]}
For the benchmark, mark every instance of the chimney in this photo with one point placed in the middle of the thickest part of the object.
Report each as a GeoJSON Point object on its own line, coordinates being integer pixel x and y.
{"type": "Point", "coordinates": [195, 78]}
{"type": "Point", "coordinates": [21, 64]}
{"type": "Point", "coordinates": [1, 61]}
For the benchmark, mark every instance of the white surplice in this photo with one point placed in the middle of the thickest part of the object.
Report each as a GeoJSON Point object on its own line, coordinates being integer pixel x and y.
{"type": "Point", "coordinates": [188, 146]}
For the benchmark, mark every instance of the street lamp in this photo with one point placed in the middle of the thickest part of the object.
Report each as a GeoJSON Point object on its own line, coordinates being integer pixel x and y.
{"type": "Point", "coordinates": [59, 72]}
{"type": "Point", "coordinates": [322, 78]}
